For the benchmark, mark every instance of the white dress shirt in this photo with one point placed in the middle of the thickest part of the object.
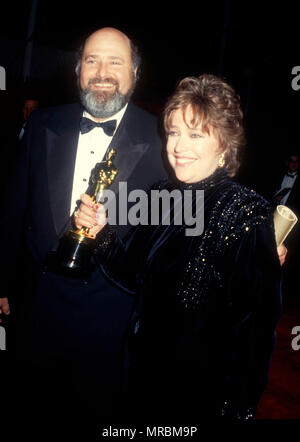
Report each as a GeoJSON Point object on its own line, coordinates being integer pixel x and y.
{"type": "Point", "coordinates": [90, 150]}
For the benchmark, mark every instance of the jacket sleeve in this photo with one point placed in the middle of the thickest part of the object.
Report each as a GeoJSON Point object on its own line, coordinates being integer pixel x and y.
{"type": "Point", "coordinates": [121, 260]}
{"type": "Point", "coordinates": [15, 198]}
{"type": "Point", "coordinates": [254, 294]}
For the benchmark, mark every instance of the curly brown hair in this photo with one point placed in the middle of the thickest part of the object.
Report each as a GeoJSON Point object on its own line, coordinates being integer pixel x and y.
{"type": "Point", "coordinates": [216, 106]}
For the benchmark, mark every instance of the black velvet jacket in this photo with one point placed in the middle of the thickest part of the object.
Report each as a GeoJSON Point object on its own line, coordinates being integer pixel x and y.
{"type": "Point", "coordinates": [207, 305]}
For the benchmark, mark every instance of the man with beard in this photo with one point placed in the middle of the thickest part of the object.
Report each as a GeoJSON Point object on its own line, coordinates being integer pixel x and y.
{"type": "Point", "coordinates": [74, 334]}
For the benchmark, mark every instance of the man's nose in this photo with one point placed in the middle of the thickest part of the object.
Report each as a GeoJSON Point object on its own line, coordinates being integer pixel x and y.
{"type": "Point", "coordinates": [102, 69]}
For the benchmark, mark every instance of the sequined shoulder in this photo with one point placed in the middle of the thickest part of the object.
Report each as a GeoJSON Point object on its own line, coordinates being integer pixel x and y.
{"type": "Point", "coordinates": [245, 197]}
{"type": "Point", "coordinates": [243, 208]}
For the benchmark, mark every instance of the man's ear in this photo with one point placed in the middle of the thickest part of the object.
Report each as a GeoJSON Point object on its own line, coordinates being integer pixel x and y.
{"type": "Point", "coordinates": [136, 73]}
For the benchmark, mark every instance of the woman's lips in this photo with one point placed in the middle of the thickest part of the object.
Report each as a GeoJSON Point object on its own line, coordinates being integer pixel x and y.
{"type": "Point", "coordinates": [184, 161]}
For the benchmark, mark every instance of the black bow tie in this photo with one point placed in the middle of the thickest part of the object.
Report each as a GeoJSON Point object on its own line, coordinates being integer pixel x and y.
{"type": "Point", "coordinates": [292, 175]}
{"type": "Point", "coordinates": [86, 124]}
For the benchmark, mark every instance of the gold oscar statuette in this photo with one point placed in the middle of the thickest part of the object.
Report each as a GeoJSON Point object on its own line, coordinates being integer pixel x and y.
{"type": "Point", "coordinates": [73, 256]}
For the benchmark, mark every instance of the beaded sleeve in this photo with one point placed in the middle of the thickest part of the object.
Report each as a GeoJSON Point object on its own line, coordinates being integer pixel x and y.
{"type": "Point", "coordinates": [236, 211]}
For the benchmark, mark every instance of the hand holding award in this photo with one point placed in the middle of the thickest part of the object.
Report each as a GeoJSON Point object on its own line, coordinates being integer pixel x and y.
{"type": "Point", "coordinates": [73, 256]}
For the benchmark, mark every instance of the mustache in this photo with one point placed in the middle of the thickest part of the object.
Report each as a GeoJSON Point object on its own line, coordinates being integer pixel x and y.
{"type": "Point", "coordinates": [103, 80]}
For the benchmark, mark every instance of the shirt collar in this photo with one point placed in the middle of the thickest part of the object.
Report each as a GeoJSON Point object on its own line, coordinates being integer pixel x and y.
{"type": "Point", "coordinates": [292, 174]}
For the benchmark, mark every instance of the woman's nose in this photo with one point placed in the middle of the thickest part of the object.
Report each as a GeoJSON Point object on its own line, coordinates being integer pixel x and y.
{"type": "Point", "coordinates": [180, 145]}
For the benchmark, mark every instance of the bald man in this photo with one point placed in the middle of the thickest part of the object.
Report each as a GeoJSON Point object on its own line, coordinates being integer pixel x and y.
{"type": "Point", "coordinates": [74, 330]}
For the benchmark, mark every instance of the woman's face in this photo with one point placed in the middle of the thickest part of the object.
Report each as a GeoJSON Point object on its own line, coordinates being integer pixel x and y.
{"type": "Point", "coordinates": [193, 154]}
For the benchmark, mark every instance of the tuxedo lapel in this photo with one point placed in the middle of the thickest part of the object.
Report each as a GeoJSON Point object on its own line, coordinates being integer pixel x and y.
{"type": "Point", "coordinates": [128, 155]}
{"type": "Point", "coordinates": [129, 148]}
{"type": "Point", "coordinates": [61, 156]}
{"type": "Point", "coordinates": [293, 199]}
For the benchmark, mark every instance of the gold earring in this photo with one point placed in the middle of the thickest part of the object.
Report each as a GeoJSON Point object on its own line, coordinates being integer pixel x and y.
{"type": "Point", "coordinates": [221, 161]}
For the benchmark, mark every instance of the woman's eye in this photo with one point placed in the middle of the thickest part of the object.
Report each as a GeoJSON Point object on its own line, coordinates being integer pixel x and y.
{"type": "Point", "coordinates": [196, 135]}
{"type": "Point", "coordinates": [172, 133]}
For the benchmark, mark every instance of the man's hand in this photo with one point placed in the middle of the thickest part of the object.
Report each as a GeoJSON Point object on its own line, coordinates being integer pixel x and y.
{"type": "Point", "coordinates": [4, 307]}
{"type": "Point", "coordinates": [90, 215]}
{"type": "Point", "coordinates": [282, 252]}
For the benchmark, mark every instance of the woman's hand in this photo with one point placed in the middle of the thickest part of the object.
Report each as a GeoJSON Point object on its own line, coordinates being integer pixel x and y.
{"type": "Point", "coordinates": [282, 252]}
{"type": "Point", "coordinates": [91, 215]}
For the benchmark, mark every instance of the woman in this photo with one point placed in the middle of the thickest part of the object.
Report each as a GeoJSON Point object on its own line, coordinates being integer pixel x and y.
{"type": "Point", "coordinates": [203, 330]}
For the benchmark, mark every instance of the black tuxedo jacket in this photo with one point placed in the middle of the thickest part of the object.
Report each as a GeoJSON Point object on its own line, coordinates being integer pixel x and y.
{"type": "Point", "coordinates": [38, 198]}
{"type": "Point", "coordinates": [294, 197]}
{"type": "Point", "coordinates": [293, 201]}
